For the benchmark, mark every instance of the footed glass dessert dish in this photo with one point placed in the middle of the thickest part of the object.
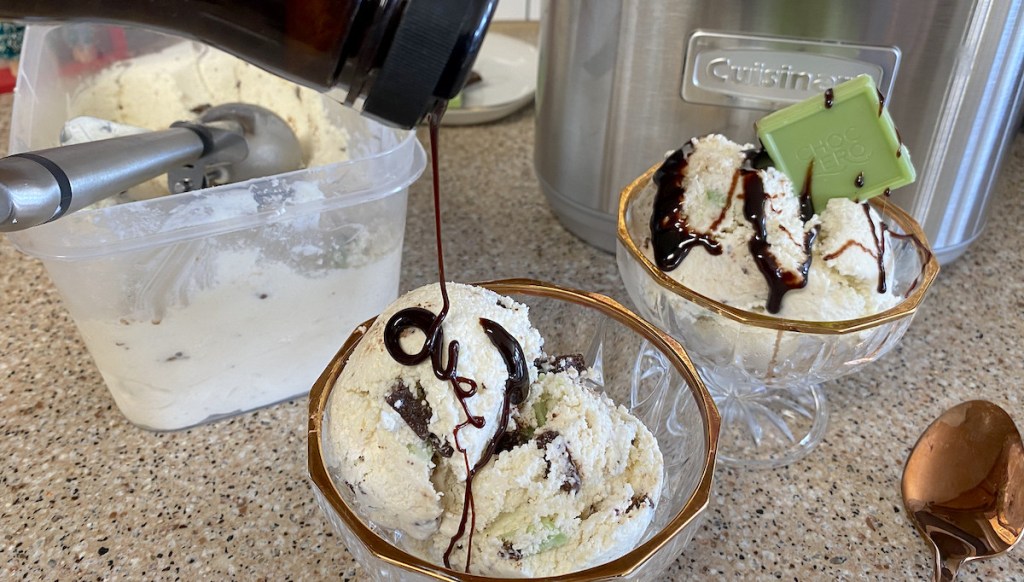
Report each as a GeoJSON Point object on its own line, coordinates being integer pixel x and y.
{"type": "Point", "coordinates": [766, 373]}
{"type": "Point", "coordinates": [632, 362]}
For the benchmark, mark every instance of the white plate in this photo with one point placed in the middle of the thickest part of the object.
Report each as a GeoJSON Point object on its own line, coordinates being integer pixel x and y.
{"type": "Point", "coordinates": [508, 73]}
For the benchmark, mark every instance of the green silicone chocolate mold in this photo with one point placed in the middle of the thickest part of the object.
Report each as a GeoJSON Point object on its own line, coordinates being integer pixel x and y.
{"type": "Point", "coordinates": [847, 136]}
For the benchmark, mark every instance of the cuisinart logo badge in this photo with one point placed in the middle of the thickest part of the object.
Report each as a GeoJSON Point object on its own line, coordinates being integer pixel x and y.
{"type": "Point", "coordinates": [765, 73]}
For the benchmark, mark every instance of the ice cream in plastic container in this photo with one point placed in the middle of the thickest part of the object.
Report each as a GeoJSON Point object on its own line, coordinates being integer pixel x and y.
{"type": "Point", "coordinates": [205, 304]}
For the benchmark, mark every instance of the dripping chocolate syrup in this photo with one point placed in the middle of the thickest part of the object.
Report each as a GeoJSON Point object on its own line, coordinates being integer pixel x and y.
{"type": "Point", "coordinates": [516, 387]}
{"type": "Point", "coordinates": [672, 238]}
{"type": "Point", "coordinates": [516, 390]}
{"type": "Point", "coordinates": [879, 236]}
{"type": "Point", "coordinates": [779, 281]}
{"type": "Point", "coordinates": [847, 245]}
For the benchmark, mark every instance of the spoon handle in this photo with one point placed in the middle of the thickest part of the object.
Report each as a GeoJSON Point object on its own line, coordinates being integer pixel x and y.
{"type": "Point", "coordinates": [947, 567]}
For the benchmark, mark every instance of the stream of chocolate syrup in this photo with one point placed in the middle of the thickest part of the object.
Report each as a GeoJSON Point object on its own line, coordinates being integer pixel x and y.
{"type": "Point", "coordinates": [516, 387]}
{"type": "Point", "coordinates": [879, 236]}
{"type": "Point", "coordinates": [780, 281]}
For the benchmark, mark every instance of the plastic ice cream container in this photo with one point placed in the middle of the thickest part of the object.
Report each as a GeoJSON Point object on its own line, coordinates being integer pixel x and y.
{"type": "Point", "coordinates": [201, 305]}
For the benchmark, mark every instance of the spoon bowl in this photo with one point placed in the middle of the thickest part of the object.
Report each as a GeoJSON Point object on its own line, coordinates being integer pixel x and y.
{"type": "Point", "coordinates": [963, 485]}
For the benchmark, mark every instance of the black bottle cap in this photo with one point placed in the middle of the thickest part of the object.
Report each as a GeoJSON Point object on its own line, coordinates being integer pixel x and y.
{"type": "Point", "coordinates": [435, 44]}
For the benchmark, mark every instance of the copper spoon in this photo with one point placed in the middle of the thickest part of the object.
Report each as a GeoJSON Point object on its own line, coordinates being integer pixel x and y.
{"type": "Point", "coordinates": [963, 485]}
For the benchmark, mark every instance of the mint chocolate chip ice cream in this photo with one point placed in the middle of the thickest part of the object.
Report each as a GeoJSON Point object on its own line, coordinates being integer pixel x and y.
{"type": "Point", "coordinates": [733, 229]}
{"type": "Point", "coordinates": [507, 462]}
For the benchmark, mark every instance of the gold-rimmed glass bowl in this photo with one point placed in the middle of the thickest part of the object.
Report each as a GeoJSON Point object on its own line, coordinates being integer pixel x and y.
{"type": "Point", "coordinates": [639, 367]}
{"type": "Point", "coordinates": [765, 373]}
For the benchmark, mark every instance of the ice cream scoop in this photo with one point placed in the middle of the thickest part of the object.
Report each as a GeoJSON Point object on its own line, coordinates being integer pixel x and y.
{"type": "Point", "coordinates": [228, 143]}
{"type": "Point", "coordinates": [963, 485]}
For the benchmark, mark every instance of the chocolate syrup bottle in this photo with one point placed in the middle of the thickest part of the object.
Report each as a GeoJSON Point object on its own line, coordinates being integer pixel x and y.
{"type": "Point", "coordinates": [394, 60]}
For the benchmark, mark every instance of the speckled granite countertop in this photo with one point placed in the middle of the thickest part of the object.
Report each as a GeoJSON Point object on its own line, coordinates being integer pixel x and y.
{"type": "Point", "coordinates": [86, 495]}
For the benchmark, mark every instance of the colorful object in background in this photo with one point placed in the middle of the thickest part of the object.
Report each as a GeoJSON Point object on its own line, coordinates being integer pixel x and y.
{"type": "Point", "coordinates": [11, 36]}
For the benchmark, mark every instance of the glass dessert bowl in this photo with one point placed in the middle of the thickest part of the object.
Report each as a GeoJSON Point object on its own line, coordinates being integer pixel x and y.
{"type": "Point", "coordinates": [637, 365]}
{"type": "Point", "coordinates": [764, 372]}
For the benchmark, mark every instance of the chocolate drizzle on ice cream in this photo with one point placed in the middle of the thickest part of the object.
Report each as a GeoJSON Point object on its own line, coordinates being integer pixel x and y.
{"type": "Point", "coordinates": [879, 235]}
{"type": "Point", "coordinates": [534, 500]}
{"type": "Point", "coordinates": [780, 280]}
{"type": "Point", "coordinates": [672, 236]}
{"type": "Point", "coordinates": [516, 387]}
{"type": "Point", "coordinates": [725, 197]}
{"type": "Point", "coordinates": [543, 464]}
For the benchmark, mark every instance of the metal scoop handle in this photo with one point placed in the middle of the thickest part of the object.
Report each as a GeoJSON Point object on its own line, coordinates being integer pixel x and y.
{"type": "Point", "coordinates": [37, 187]}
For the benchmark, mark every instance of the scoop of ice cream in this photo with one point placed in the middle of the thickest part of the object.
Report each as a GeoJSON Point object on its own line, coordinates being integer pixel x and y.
{"type": "Point", "coordinates": [846, 268]}
{"type": "Point", "coordinates": [392, 425]}
{"type": "Point", "coordinates": [740, 235]}
{"type": "Point", "coordinates": [578, 487]}
{"type": "Point", "coordinates": [572, 481]}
